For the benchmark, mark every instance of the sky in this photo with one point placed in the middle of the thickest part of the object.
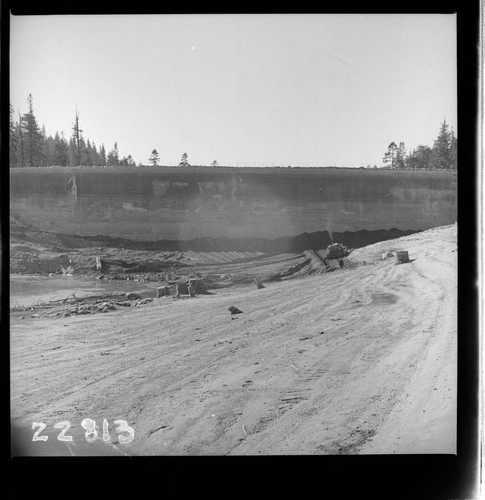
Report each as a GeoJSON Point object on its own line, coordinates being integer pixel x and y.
{"type": "Point", "coordinates": [255, 89]}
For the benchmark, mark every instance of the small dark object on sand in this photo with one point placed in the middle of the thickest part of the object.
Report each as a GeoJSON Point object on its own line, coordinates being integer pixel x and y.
{"type": "Point", "coordinates": [235, 310]}
{"type": "Point", "coordinates": [402, 257]}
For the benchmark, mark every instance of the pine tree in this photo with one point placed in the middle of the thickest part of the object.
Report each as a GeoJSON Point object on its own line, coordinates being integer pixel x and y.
{"type": "Point", "coordinates": [51, 150]}
{"type": "Point", "coordinates": [94, 155]}
{"type": "Point", "coordinates": [21, 141]}
{"type": "Point", "coordinates": [401, 156]}
{"type": "Point", "coordinates": [410, 161]}
{"type": "Point", "coordinates": [72, 148]}
{"type": "Point", "coordinates": [390, 155]}
{"type": "Point", "coordinates": [32, 138]}
{"type": "Point", "coordinates": [102, 156]}
{"type": "Point", "coordinates": [85, 154]}
{"type": "Point", "coordinates": [113, 157]}
{"type": "Point", "coordinates": [76, 135]}
{"type": "Point", "coordinates": [453, 150]}
{"type": "Point", "coordinates": [184, 162]}
{"type": "Point", "coordinates": [13, 140]}
{"type": "Point", "coordinates": [214, 164]}
{"type": "Point", "coordinates": [441, 158]}
{"type": "Point", "coordinates": [44, 146]}
{"type": "Point", "coordinates": [154, 158]}
{"type": "Point", "coordinates": [61, 156]}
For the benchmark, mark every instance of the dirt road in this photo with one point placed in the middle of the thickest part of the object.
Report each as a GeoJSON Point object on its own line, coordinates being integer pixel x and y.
{"type": "Point", "coordinates": [350, 362]}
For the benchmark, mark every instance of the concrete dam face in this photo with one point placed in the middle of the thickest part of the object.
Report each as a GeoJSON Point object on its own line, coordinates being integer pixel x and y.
{"type": "Point", "coordinates": [181, 204]}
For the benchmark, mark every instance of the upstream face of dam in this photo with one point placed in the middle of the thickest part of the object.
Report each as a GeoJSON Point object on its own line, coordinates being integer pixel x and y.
{"type": "Point", "coordinates": [150, 204]}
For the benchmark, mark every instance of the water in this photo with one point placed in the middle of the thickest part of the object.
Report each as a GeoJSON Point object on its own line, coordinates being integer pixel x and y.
{"type": "Point", "coordinates": [26, 290]}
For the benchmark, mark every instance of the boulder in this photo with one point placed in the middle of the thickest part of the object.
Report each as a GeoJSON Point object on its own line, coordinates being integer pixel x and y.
{"type": "Point", "coordinates": [198, 286]}
{"type": "Point", "coordinates": [402, 257]}
{"type": "Point", "coordinates": [182, 288]}
{"type": "Point", "coordinates": [132, 295]}
{"type": "Point", "coordinates": [163, 291]}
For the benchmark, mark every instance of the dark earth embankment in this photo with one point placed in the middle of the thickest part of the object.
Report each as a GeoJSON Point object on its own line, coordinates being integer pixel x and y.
{"type": "Point", "coordinates": [42, 252]}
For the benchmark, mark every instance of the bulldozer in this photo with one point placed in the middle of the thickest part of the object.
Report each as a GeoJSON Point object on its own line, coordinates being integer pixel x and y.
{"type": "Point", "coordinates": [337, 251]}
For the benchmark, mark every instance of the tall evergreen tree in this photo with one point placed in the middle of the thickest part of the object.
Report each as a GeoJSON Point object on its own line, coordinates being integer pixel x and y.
{"type": "Point", "coordinates": [32, 138]}
{"type": "Point", "coordinates": [390, 155]}
{"type": "Point", "coordinates": [50, 149]}
{"type": "Point", "coordinates": [401, 156]}
{"type": "Point", "coordinates": [13, 140]}
{"type": "Point", "coordinates": [154, 158]}
{"type": "Point", "coordinates": [72, 148]}
{"type": "Point", "coordinates": [61, 156]}
{"type": "Point", "coordinates": [102, 156]}
{"type": "Point", "coordinates": [184, 162]}
{"type": "Point", "coordinates": [453, 150]}
{"type": "Point", "coordinates": [441, 158]}
{"type": "Point", "coordinates": [94, 155]}
{"type": "Point", "coordinates": [76, 135]}
{"type": "Point", "coordinates": [20, 143]}
{"type": "Point", "coordinates": [86, 153]}
{"type": "Point", "coordinates": [113, 157]}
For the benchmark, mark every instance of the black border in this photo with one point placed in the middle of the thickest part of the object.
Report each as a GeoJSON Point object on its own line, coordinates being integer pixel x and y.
{"type": "Point", "coordinates": [396, 476]}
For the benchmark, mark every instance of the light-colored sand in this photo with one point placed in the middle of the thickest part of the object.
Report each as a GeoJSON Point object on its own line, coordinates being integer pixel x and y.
{"type": "Point", "coordinates": [352, 362]}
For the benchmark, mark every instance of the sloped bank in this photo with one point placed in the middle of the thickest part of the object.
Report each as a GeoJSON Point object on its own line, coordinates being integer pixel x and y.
{"type": "Point", "coordinates": [44, 252]}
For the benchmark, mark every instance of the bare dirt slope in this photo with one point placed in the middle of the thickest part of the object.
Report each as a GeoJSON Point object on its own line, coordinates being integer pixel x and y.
{"type": "Point", "coordinates": [355, 361]}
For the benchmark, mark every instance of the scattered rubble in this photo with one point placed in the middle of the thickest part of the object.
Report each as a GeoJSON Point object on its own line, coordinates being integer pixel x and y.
{"type": "Point", "coordinates": [78, 306]}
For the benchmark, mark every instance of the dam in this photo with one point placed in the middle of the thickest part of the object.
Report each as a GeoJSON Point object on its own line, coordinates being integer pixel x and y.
{"type": "Point", "coordinates": [149, 204]}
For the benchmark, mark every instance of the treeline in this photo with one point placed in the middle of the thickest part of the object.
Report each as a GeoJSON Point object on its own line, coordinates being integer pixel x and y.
{"type": "Point", "coordinates": [442, 156]}
{"type": "Point", "coordinates": [31, 147]}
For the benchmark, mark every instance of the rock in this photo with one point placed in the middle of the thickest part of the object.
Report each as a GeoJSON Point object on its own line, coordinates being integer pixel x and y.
{"type": "Point", "coordinates": [402, 257]}
{"type": "Point", "coordinates": [143, 301]}
{"type": "Point", "coordinates": [259, 285]}
{"type": "Point", "coordinates": [182, 289]}
{"type": "Point", "coordinates": [163, 291]}
{"type": "Point", "coordinates": [198, 286]}
{"type": "Point", "coordinates": [235, 310]}
{"type": "Point", "coordinates": [386, 255]}
{"type": "Point", "coordinates": [22, 317]}
{"type": "Point", "coordinates": [132, 295]}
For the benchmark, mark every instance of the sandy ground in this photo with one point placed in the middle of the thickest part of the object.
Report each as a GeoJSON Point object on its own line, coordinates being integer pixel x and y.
{"type": "Point", "coordinates": [350, 362]}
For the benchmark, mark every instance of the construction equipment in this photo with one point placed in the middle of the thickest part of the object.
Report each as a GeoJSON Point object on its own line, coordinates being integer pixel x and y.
{"type": "Point", "coordinates": [337, 251]}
